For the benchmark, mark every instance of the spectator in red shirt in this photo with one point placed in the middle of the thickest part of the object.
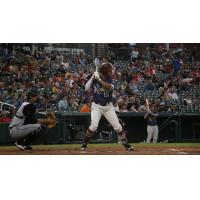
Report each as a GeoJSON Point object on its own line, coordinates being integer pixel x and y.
{"type": "Point", "coordinates": [4, 117]}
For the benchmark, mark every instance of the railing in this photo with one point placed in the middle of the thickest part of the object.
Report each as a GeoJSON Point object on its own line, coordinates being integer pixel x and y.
{"type": "Point", "coordinates": [7, 104]}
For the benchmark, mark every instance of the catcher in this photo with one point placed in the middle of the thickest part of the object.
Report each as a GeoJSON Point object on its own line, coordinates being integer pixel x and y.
{"type": "Point", "coordinates": [25, 126]}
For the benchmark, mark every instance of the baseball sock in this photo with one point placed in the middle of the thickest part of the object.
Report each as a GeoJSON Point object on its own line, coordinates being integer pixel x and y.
{"type": "Point", "coordinates": [123, 137]}
{"type": "Point", "coordinates": [87, 136]}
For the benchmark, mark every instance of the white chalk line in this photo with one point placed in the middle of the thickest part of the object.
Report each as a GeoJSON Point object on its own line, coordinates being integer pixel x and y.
{"type": "Point", "coordinates": [179, 152]}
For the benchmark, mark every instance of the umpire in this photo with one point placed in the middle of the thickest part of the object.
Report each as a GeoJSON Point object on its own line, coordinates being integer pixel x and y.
{"type": "Point", "coordinates": [25, 126]}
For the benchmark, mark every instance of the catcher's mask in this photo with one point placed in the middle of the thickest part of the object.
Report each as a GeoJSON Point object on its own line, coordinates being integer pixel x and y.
{"type": "Point", "coordinates": [32, 93]}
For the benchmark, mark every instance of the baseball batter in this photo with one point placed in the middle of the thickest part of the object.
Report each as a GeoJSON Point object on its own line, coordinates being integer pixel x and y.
{"type": "Point", "coordinates": [101, 87]}
{"type": "Point", "coordinates": [152, 126]}
{"type": "Point", "coordinates": [25, 127]}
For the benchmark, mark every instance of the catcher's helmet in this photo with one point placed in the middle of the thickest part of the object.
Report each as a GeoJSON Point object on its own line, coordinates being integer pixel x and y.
{"type": "Point", "coordinates": [32, 92]}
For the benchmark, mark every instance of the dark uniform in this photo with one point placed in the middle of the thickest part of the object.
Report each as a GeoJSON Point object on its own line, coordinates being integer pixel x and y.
{"type": "Point", "coordinates": [23, 127]}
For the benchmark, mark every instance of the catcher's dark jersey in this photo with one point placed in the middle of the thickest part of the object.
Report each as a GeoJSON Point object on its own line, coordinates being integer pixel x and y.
{"type": "Point", "coordinates": [26, 114]}
{"type": "Point", "coordinates": [29, 112]}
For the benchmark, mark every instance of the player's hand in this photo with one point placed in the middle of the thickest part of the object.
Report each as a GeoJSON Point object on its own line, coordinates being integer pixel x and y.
{"type": "Point", "coordinates": [96, 75]}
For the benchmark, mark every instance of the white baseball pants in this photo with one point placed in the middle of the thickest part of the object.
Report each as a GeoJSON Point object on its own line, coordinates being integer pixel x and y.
{"type": "Point", "coordinates": [108, 112]}
{"type": "Point", "coordinates": [152, 132]}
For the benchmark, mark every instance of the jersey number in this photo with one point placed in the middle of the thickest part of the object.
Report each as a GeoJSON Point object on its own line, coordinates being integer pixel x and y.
{"type": "Point", "coordinates": [106, 94]}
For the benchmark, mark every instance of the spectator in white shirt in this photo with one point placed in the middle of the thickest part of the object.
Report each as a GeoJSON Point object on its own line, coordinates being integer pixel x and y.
{"type": "Point", "coordinates": [134, 55]}
{"type": "Point", "coordinates": [173, 94]}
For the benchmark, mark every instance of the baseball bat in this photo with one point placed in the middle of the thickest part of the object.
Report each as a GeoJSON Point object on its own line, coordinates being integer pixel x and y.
{"type": "Point", "coordinates": [147, 102]}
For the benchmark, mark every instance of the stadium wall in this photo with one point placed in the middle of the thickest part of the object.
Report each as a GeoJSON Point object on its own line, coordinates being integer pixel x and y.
{"type": "Point", "coordinates": [172, 128]}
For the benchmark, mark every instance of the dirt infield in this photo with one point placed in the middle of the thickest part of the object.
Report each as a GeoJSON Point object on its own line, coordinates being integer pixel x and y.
{"type": "Point", "coordinates": [107, 149]}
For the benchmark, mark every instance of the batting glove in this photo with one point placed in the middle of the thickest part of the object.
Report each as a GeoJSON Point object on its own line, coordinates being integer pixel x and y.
{"type": "Point", "coordinates": [96, 75]}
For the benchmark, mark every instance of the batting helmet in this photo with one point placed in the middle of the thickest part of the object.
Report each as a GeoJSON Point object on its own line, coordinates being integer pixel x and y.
{"type": "Point", "coordinates": [106, 68]}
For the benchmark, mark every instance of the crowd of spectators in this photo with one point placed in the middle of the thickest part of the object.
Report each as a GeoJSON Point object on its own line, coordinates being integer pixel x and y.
{"type": "Point", "coordinates": [168, 78]}
{"type": "Point", "coordinates": [59, 78]}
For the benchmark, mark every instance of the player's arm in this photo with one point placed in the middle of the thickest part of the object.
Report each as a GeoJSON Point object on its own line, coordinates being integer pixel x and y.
{"type": "Point", "coordinates": [88, 85]}
{"type": "Point", "coordinates": [29, 112]}
{"type": "Point", "coordinates": [146, 115]}
{"type": "Point", "coordinates": [106, 85]}
{"type": "Point", "coordinates": [153, 114]}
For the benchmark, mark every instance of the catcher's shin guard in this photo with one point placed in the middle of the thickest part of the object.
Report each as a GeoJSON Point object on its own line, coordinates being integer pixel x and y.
{"type": "Point", "coordinates": [29, 139]}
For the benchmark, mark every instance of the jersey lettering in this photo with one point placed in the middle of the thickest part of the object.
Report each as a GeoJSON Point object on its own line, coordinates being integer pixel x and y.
{"type": "Point", "coordinates": [100, 95]}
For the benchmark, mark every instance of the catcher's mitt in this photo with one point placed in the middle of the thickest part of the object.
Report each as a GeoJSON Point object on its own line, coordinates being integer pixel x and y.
{"type": "Point", "coordinates": [52, 119]}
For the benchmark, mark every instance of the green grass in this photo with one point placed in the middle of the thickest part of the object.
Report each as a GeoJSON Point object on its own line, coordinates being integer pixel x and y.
{"type": "Point", "coordinates": [61, 146]}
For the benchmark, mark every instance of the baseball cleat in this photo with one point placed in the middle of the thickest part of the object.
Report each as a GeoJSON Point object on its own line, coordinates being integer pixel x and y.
{"type": "Point", "coordinates": [84, 147]}
{"type": "Point", "coordinates": [22, 146]}
{"type": "Point", "coordinates": [131, 149]}
{"type": "Point", "coordinates": [128, 147]}
{"type": "Point", "coordinates": [28, 147]}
